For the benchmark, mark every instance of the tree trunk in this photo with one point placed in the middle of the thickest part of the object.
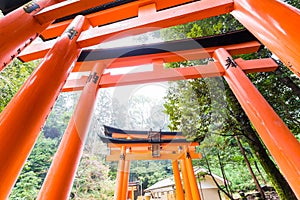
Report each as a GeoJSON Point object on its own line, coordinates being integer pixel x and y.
{"type": "Point", "coordinates": [258, 187]}
{"type": "Point", "coordinates": [258, 170]}
{"type": "Point", "coordinates": [225, 191]}
{"type": "Point", "coordinates": [277, 179]}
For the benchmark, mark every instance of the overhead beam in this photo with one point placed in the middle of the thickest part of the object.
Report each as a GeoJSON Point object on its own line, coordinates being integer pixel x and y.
{"type": "Point", "coordinates": [150, 18]}
{"type": "Point", "coordinates": [238, 42]}
{"type": "Point", "coordinates": [108, 80]}
{"type": "Point", "coordinates": [65, 8]}
{"type": "Point", "coordinates": [231, 38]}
{"type": "Point", "coordinates": [141, 136]}
{"type": "Point", "coordinates": [36, 51]}
{"type": "Point", "coordinates": [148, 156]}
{"type": "Point", "coordinates": [117, 133]}
{"type": "Point", "coordinates": [158, 75]}
{"type": "Point", "coordinates": [142, 149]}
{"type": "Point", "coordinates": [168, 57]}
{"type": "Point", "coordinates": [105, 16]}
{"type": "Point", "coordinates": [114, 145]}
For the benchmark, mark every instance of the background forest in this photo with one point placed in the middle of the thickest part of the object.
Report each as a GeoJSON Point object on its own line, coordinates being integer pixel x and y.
{"type": "Point", "coordinates": [204, 109]}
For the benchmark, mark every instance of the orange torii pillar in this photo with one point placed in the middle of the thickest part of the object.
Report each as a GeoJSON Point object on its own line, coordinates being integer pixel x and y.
{"type": "Point", "coordinates": [59, 180]}
{"type": "Point", "coordinates": [23, 117]}
{"type": "Point", "coordinates": [19, 28]}
{"type": "Point", "coordinates": [126, 179]}
{"type": "Point", "coordinates": [131, 194]}
{"type": "Point", "coordinates": [179, 190]}
{"type": "Point", "coordinates": [276, 25]}
{"type": "Point", "coordinates": [281, 143]}
{"type": "Point", "coordinates": [191, 175]}
{"type": "Point", "coordinates": [186, 183]}
{"type": "Point", "coordinates": [120, 175]}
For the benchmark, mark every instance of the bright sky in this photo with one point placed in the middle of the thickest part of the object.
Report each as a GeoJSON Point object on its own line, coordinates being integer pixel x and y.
{"type": "Point", "coordinates": [151, 90]}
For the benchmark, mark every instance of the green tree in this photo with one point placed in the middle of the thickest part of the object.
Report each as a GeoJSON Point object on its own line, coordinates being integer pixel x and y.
{"type": "Point", "coordinates": [150, 172]}
{"type": "Point", "coordinates": [27, 188]}
{"type": "Point", "coordinates": [92, 180]}
{"type": "Point", "coordinates": [60, 115]}
{"type": "Point", "coordinates": [35, 169]}
{"type": "Point", "coordinates": [203, 113]}
{"type": "Point", "coordinates": [12, 78]}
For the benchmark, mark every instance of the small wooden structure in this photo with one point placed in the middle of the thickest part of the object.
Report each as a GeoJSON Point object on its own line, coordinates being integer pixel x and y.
{"type": "Point", "coordinates": [166, 189]}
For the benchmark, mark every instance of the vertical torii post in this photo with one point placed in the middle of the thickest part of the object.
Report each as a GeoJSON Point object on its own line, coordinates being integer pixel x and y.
{"type": "Point", "coordinates": [59, 180]}
{"type": "Point", "coordinates": [126, 179]}
{"type": "Point", "coordinates": [191, 175]}
{"type": "Point", "coordinates": [186, 183]}
{"type": "Point", "coordinates": [19, 28]}
{"type": "Point", "coordinates": [120, 175]}
{"type": "Point", "coordinates": [281, 143]}
{"type": "Point", "coordinates": [275, 24]}
{"type": "Point", "coordinates": [179, 190]}
{"type": "Point", "coordinates": [131, 193]}
{"type": "Point", "coordinates": [23, 117]}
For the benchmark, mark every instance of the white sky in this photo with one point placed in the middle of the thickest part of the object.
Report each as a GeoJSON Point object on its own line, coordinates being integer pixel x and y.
{"type": "Point", "coordinates": [151, 90]}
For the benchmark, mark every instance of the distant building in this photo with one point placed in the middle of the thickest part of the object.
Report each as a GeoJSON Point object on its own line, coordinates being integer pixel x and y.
{"type": "Point", "coordinates": [165, 189]}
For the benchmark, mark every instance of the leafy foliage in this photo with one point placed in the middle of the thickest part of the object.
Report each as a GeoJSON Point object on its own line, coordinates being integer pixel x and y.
{"type": "Point", "coordinates": [35, 169]}
{"type": "Point", "coordinates": [150, 172]}
{"type": "Point", "coordinates": [27, 188]}
{"type": "Point", "coordinates": [12, 78]}
{"type": "Point", "coordinates": [92, 180]}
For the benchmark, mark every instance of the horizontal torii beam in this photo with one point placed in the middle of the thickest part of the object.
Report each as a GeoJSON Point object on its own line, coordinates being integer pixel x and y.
{"type": "Point", "coordinates": [114, 145]}
{"type": "Point", "coordinates": [119, 135]}
{"type": "Point", "coordinates": [145, 149]}
{"type": "Point", "coordinates": [167, 57]}
{"type": "Point", "coordinates": [105, 16]}
{"type": "Point", "coordinates": [150, 19]}
{"type": "Point", "coordinates": [159, 74]}
{"type": "Point", "coordinates": [148, 156]}
{"type": "Point", "coordinates": [232, 38]}
{"type": "Point", "coordinates": [66, 8]}
{"type": "Point", "coordinates": [238, 42]}
{"type": "Point", "coordinates": [148, 151]}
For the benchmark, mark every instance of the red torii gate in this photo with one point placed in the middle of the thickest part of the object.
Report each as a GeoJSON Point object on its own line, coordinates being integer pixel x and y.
{"type": "Point", "coordinates": [22, 119]}
{"type": "Point", "coordinates": [127, 145]}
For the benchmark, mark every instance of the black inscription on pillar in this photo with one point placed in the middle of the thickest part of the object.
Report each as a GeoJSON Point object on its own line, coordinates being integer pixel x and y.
{"type": "Point", "coordinates": [93, 77]}
{"type": "Point", "coordinates": [71, 33]}
{"type": "Point", "coordinates": [122, 156]}
{"type": "Point", "coordinates": [31, 6]}
{"type": "Point", "coordinates": [188, 155]}
{"type": "Point", "coordinates": [230, 63]}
